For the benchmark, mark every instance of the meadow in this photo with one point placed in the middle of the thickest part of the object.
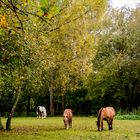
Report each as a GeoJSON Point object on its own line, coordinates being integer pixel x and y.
{"type": "Point", "coordinates": [84, 128]}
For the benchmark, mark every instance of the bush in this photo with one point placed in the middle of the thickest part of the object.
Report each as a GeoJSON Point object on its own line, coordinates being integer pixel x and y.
{"type": "Point", "coordinates": [128, 117]}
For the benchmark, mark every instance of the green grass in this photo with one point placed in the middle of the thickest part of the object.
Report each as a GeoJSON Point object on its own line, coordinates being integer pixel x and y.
{"type": "Point", "coordinates": [84, 128]}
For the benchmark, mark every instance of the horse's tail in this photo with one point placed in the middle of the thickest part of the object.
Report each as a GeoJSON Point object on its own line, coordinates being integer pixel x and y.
{"type": "Point", "coordinates": [99, 113]}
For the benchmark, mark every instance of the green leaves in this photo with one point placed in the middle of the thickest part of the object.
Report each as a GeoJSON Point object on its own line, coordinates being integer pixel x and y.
{"type": "Point", "coordinates": [44, 3]}
{"type": "Point", "coordinates": [115, 66]}
{"type": "Point", "coordinates": [64, 47]}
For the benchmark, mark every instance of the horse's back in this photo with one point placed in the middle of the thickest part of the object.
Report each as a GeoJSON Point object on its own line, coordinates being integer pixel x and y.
{"type": "Point", "coordinates": [41, 111]}
{"type": "Point", "coordinates": [42, 108]}
{"type": "Point", "coordinates": [67, 112]}
{"type": "Point", "coordinates": [109, 111]}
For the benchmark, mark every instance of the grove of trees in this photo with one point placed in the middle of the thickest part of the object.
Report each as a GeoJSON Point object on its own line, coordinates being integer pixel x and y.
{"type": "Point", "coordinates": [67, 53]}
{"type": "Point", "coordinates": [115, 79]}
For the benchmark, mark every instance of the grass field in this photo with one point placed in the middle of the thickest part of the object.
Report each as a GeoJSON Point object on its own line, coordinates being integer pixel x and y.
{"type": "Point", "coordinates": [84, 128]}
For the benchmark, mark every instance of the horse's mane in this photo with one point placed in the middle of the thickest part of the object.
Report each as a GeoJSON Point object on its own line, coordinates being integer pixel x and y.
{"type": "Point", "coordinates": [99, 113]}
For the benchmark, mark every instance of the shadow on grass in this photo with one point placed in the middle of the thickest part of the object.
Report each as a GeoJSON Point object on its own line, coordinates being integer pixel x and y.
{"type": "Point", "coordinates": [31, 129]}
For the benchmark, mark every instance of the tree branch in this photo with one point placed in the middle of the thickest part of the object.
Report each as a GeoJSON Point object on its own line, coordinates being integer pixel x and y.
{"type": "Point", "coordinates": [14, 9]}
{"type": "Point", "coordinates": [67, 22]}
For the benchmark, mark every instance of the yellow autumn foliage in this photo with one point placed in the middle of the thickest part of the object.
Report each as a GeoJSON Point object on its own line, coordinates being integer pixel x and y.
{"type": "Point", "coordinates": [3, 21]}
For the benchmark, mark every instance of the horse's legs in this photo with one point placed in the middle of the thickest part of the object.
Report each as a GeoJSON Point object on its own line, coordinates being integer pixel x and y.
{"type": "Point", "coordinates": [70, 122]}
{"type": "Point", "coordinates": [65, 126]}
{"type": "Point", "coordinates": [42, 116]}
{"type": "Point", "coordinates": [39, 114]}
{"type": "Point", "coordinates": [68, 125]}
{"type": "Point", "coordinates": [111, 124]}
{"type": "Point", "coordinates": [102, 125]}
{"type": "Point", "coordinates": [108, 124]}
{"type": "Point", "coordinates": [109, 121]}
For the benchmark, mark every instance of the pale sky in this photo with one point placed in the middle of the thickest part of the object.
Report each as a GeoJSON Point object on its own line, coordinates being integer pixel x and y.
{"type": "Point", "coordinates": [127, 3]}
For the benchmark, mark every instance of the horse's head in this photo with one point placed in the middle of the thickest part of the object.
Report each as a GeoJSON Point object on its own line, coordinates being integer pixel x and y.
{"type": "Point", "coordinates": [99, 125]}
{"type": "Point", "coordinates": [99, 119]}
{"type": "Point", "coordinates": [65, 118]}
{"type": "Point", "coordinates": [66, 121]}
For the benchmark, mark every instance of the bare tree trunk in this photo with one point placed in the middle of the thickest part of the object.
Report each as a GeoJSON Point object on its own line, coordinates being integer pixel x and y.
{"type": "Point", "coordinates": [1, 126]}
{"type": "Point", "coordinates": [63, 102]}
{"type": "Point", "coordinates": [51, 90]}
{"type": "Point", "coordinates": [8, 123]}
{"type": "Point", "coordinates": [28, 103]}
{"type": "Point", "coordinates": [51, 101]}
{"type": "Point", "coordinates": [63, 89]}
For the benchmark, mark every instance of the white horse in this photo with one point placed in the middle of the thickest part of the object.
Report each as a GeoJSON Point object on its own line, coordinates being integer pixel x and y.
{"type": "Point", "coordinates": [41, 112]}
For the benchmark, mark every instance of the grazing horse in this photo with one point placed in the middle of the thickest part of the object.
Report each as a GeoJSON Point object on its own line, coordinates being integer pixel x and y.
{"type": "Point", "coordinates": [67, 118]}
{"type": "Point", "coordinates": [41, 112]}
{"type": "Point", "coordinates": [105, 113]}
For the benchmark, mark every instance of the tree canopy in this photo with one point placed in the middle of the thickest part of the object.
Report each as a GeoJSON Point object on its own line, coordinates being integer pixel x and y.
{"type": "Point", "coordinates": [46, 49]}
{"type": "Point", "coordinates": [115, 78]}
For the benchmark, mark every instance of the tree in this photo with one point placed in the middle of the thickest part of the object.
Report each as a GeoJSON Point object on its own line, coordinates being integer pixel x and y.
{"type": "Point", "coordinates": [14, 51]}
{"type": "Point", "coordinates": [71, 47]}
{"type": "Point", "coordinates": [33, 43]}
{"type": "Point", "coordinates": [116, 67]}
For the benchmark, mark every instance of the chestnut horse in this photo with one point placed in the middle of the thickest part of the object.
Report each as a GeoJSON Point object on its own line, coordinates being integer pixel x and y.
{"type": "Point", "coordinates": [67, 118]}
{"type": "Point", "coordinates": [105, 113]}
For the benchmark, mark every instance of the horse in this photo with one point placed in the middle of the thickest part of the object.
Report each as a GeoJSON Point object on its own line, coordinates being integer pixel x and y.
{"type": "Point", "coordinates": [105, 113]}
{"type": "Point", "coordinates": [41, 112]}
{"type": "Point", "coordinates": [67, 118]}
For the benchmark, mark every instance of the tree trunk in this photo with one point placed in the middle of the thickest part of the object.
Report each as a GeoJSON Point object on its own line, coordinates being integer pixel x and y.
{"type": "Point", "coordinates": [63, 102]}
{"type": "Point", "coordinates": [1, 126]}
{"type": "Point", "coordinates": [63, 89]}
{"type": "Point", "coordinates": [51, 101]}
{"type": "Point", "coordinates": [8, 123]}
{"type": "Point", "coordinates": [28, 103]}
{"type": "Point", "coordinates": [51, 91]}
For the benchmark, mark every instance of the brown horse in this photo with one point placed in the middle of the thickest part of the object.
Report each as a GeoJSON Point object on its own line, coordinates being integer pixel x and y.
{"type": "Point", "coordinates": [67, 118]}
{"type": "Point", "coordinates": [105, 113]}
